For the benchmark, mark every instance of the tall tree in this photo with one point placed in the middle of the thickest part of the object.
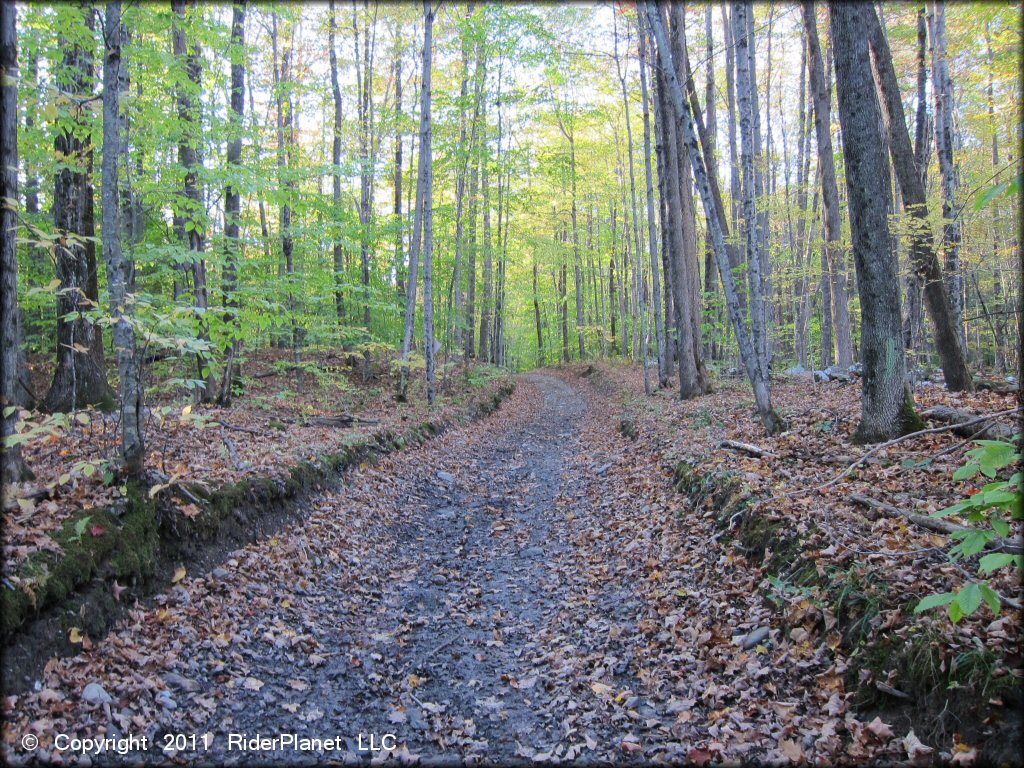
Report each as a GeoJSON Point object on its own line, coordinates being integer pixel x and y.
{"type": "Point", "coordinates": [11, 464]}
{"type": "Point", "coordinates": [79, 378]}
{"type": "Point", "coordinates": [922, 250]}
{"type": "Point", "coordinates": [367, 141]}
{"type": "Point", "coordinates": [133, 446]}
{"type": "Point", "coordinates": [832, 256]}
{"type": "Point", "coordinates": [428, 197]}
{"type": "Point", "coordinates": [637, 249]}
{"type": "Point", "coordinates": [887, 406]}
{"type": "Point", "coordinates": [773, 423]}
{"type": "Point", "coordinates": [338, 247]}
{"type": "Point", "coordinates": [746, 86]}
{"type": "Point", "coordinates": [233, 203]}
{"type": "Point", "coordinates": [191, 210]}
{"type": "Point", "coordinates": [652, 239]}
{"type": "Point", "coordinates": [952, 235]}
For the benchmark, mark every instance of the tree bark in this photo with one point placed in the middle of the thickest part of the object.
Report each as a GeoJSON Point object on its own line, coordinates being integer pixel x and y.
{"type": "Point", "coordinates": [833, 257]}
{"type": "Point", "coordinates": [79, 378]}
{"type": "Point", "coordinates": [637, 249]}
{"type": "Point", "coordinates": [190, 206]}
{"type": "Point", "coordinates": [922, 251]}
{"type": "Point", "coordinates": [428, 200]}
{"type": "Point", "coordinates": [952, 231]}
{"type": "Point", "coordinates": [887, 406]}
{"type": "Point", "coordinates": [772, 422]}
{"type": "Point", "coordinates": [133, 446]}
{"type": "Point", "coordinates": [233, 204]}
{"type": "Point", "coordinates": [12, 467]}
{"type": "Point", "coordinates": [652, 239]}
{"type": "Point", "coordinates": [338, 247]}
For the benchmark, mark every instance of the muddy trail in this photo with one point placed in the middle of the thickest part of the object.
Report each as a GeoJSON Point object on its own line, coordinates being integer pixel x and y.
{"type": "Point", "coordinates": [440, 634]}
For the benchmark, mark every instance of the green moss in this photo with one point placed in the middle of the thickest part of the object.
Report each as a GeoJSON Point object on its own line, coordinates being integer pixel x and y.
{"type": "Point", "coordinates": [627, 426]}
{"type": "Point", "coordinates": [94, 543]}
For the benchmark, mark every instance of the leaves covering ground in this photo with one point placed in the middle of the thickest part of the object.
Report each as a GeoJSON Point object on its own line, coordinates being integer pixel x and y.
{"type": "Point", "coordinates": [629, 644]}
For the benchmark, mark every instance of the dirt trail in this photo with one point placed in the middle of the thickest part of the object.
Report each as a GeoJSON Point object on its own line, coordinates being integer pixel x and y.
{"type": "Point", "coordinates": [454, 621]}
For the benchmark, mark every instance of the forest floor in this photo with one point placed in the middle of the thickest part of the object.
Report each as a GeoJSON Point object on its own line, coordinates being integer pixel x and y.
{"type": "Point", "coordinates": [532, 586]}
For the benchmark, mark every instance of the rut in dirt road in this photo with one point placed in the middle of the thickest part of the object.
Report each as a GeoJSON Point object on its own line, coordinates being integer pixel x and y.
{"type": "Point", "coordinates": [437, 625]}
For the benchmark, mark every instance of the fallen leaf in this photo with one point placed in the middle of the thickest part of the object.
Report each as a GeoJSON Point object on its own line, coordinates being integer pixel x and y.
{"type": "Point", "coordinates": [179, 574]}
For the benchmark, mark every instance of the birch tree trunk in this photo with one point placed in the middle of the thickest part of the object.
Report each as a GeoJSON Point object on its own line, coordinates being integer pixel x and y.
{"type": "Point", "coordinates": [887, 406]}
{"type": "Point", "coordinates": [772, 422]}
{"type": "Point", "coordinates": [952, 232]}
{"type": "Point", "coordinates": [133, 447]}
{"type": "Point", "coordinates": [652, 239]}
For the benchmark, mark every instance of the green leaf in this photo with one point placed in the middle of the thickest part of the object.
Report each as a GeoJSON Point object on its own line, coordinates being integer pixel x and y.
{"type": "Point", "coordinates": [934, 601]}
{"type": "Point", "coordinates": [969, 598]}
{"type": "Point", "coordinates": [995, 560]}
{"type": "Point", "coordinates": [81, 525]}
{"type": "Point", "coordinates": [991, 597]}
{"type": "Point", "coordinates": [966, 472]}
{"type": "Point", "coordinates": [955, 612]}
{"type": "Point", "coordinates": [1000, 526]}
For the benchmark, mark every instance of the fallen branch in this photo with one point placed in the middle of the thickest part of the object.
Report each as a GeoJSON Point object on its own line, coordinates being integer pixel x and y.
{"type": "Point", "coordinates": [960, 423]}
{"type": "Point", "coordinates": [341, 420]}
{"type": "Point", "coordinates": [752, 450]}
{"type": "Point", "coordinates": [236, 428]}
{"type": "Point", "coordinates": [932, 523]}
{"type": "Point", "coordinates": [232, 452]}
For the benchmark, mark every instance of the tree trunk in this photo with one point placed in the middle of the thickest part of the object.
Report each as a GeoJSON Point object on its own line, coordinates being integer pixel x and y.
{"type": "Point", "coordinates": [652, 239]}
{"type": "Point", "coordinates": [833, 258]}
{"type": "Point", "coordinates": [339, 248]}
{"type": "Point", "coordinates": [637, 249]}
{"type": "Point", "coordinates": [487, 304]}
{"type": "Point", "coordinates": [233, 204]}
{"type": "Point", "coordinates": [462, 169]}
{"type": "Point", "coordinates": [922, 252]}
{"type": "Point", "coordinates": [133, 447]}
{"type": "Point", "coordinates": [12, 467]}
{"type": "Point", "coordinates": [423, 173]}
{"type": "Point", "coordinates": [749, 149]}
{"type": "Point", "coordinates": [79, 378]}
{"type": "Point", "coordinates": [772, 422]}
{"type": "Point", "coordinates": [428, 200]}
{"type": "Point", "coordinates": [952, 234]}
{"type": "Point", "coordinates": [191, 207]}
{"type": "Point", "coordinates": [887, 406]}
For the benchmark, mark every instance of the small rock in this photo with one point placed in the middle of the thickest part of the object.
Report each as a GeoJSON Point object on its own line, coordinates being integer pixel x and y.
{"type": "Point", "coordinates": [164, 700]}
{"type": "Point", "coordinates": [95, 694]}
{"type": "Point", "coordinates": [446, 477]}
{"type": "Point", "coordinates": [603, 469]}
{"type": "Point", "coordinates": [822, 376]}
{"type": "Point", "coordinates": [178, 681]}
{"type": "Point", "coordinates": [531, 552]}
{"type": "Point", "coordinates": [796, 370]}
{"type": "Point", "coordinates": [757, 636]}
{"type": "Point", "coordinates": [220, 573]}
{"type": "Point", "coordinates": [446, 514]}
{"type": "Point", "coordinates": [440, 579]}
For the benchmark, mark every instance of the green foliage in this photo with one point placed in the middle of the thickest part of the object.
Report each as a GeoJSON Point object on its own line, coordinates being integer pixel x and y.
{"type": "Point", "coordinates": [992, 506]}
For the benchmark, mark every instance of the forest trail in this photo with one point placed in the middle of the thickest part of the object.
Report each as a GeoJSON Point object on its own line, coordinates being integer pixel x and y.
{"type": "Point", "coordinates": [446, 596]}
